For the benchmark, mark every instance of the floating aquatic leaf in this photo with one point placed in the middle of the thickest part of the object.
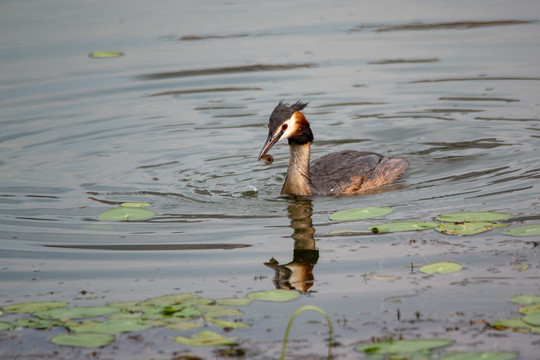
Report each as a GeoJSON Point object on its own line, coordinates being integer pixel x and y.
{"type": "Point", "coordinates": [530, 309]}
{"type": "Point", "coordinates": [123, 213]}
{"type": "Point", "coordinates": [30, 307]}
{"type": "Point", "coordinates": [515, 323]}
{"type": "Point", "coordinates": [360, 213]}
{"type": "Point", "coordinates": [205, 338]}
{"type": "Point", "coordinates": [5, 326]}
{"type": "Point", "coordinates": [105, 54]}
{"type": "Point", "coordinates": [525, 230]}
{"type": "Point", "coordinates": [219, 311]}
{"type": "Point", "coordinates": [169, 300]}
{"type": "Point", "coordinates": [76, 312]}
{"type": "Point", "coordinates": [122, 305]}
{"type": "Point", "coordinates": [111, 327]}
{"type": "Point", "coordinates": [83, 340]}
{"type": "Point", "coordinates": [402, 226]}
{"type": "Point", "coordinates": [135, 204]}
{"type": "Point", "coordinates": [225, 323]}
{"type": "Point", "coordinates": [532, 319]}
{"type": "Point", "coordinates": [351, 232]}
{"type": "Point", "coordinates": [526, 299]}
{"type": "Point", "coordinates": [467, 228]}
{"type": "Point", "coordinates": [481, 356]}
{"type": "Point", "coordinates": [36, 323]}
{"type": "Point", "coordinates": [186, 313]}
{"type": "Point", "coordinates": [473, 216]}
{"type": "Point", "coordinates": [277, 295]}
{"type": "Point", "coordinates": [182, 326]}
{"type": "Point", "coordinates": [233, 301]}
{"type": "Point", "coordinates": [402, 347]}
{"type": "Point", "coordinates": [443, 267]}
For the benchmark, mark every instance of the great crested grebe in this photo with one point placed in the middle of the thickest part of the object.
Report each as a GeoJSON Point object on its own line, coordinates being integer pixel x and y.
{"type": "Point", "coordinates": [341, 173]}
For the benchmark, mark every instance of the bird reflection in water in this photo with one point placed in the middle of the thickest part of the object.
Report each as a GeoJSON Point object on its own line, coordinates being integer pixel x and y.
{"type": "Point", "coordinates": [298, 274]}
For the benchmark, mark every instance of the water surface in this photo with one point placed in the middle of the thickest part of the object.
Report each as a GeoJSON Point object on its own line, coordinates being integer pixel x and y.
{"type": "Point", "coordinates": [179, 120]}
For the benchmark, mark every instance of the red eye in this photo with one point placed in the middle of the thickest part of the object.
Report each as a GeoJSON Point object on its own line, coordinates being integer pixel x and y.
{"type": "Point", "coordinates": [284, 127]}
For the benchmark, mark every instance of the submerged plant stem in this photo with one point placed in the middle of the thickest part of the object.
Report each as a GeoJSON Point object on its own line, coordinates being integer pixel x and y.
{"type": "Point", "coordinates": [298, 312]}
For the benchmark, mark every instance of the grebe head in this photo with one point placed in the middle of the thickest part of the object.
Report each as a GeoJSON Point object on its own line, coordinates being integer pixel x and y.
{"type": "Point", "coordinates": [287, 122]}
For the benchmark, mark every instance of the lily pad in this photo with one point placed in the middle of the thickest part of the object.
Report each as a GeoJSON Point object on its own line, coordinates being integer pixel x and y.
{"type": "Point", "coordinates": [219, 311]}
{"type": "Point", "coordinates": [402, 226]}
{"type": "Point", "coordinates": [526, 299]}
{"type": "Point", "coordinates": [402, 347]}
{"type": "Point", "coordinates": [360, 213]}
{"type": "Point", "coordinates": [513, 324]}
{"type": "Point", "coordinates": [277, 295]}
{"type": "Point", "coordinates": [467, 228]}
{"type": "Point", "coordinates": [83, 340]}
{"type": "Point", "coordinates": [529, 309]}
{"type": "Point", "coordinates": [205, 338]}
{"type": "Point", "coordinates": [443, 267]}
{"type": "Point", "coordinates": [124, 213]}
{"type": "Point", "coordinates": [525, 230]}
{"type": "Point", "coordinates": [473, 216]}
{"type": "Point", "coordinates": [30, 307]}
{"type": "Point", "coordinates": [226, 324]}
{"type": "Point", "coordinates": [169, 300]}
{"type": "Point", "coordinates": [481, 356]}
{"type": "Point", "coordinates": [135, 204]}
{"type": "Point", "coordinates": [532, 319]}
{"type": "Point", "coordinates": [182, 326]}
{"type": "Point", "coordinates": [105, 54]}
{"type": "Point", "coordinates": [233, 301]}
{"type": "Point", "coordinates": [110, 327]}
{"type": "Point", "coordinates": [36, 323]}
{"type": "Point", "coordinates": [76, 312]}
{"type": "Point", "coordinates": [5, 326]}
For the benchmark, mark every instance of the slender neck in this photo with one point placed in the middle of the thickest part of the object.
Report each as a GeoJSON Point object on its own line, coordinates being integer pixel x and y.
{"type": "Point", "coordinates": [297, 181]}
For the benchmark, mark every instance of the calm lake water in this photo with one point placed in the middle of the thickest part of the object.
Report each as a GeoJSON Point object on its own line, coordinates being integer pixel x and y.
{"type": "Point", "coordinates": [179, 120]}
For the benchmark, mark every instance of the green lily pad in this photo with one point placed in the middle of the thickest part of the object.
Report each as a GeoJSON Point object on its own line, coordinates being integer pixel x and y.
{"type": "Point", "coordinates": [135, 204]}
{"type": "Point", "coordinates": [467, 228]}
{"type": "Point", "coordinates": [219, 311]}
{"type": "Point", "coordinates": [525, 230]}
{"type": "Point", "coordinates": [532, 319]}
{"type": "Point", "coordinates": [169, 300]}
{"type": "Point", "coordinates": [205, 338]}
{"type": "Point", "coordinates": [277, 295]}
{"type": "Point", "coordinates": [402, 347]}
{"type": "Point", "coordinates": [76, 312]}
{"type": "Point", "coordinates": [402, 226]}
{"type": "Point", "coordinates": [30, 307]}
{"type": "Point", "coordinates": [225, 324]}
{"type": "Point", "coordinates": [123, 213]}
{"type": "Point", "coordinates": [110, 327]}
{"type": "Point", "coordinates": [525, 299]}
{"type": "Point", "coordinates": [233, 301]}
{"type": "Point", "coordinates": [36, 323]}
{"type": "Point", "coordinates": [473, 216]}
{"type": "Point", "coordinates": [443, 267]}
{"type": "Point", "coordinates": [182, 326]}
{"type": "Point", "coordinates": [360, 213]}
{"type": "Point", "coordinates": [481, 356]}
{"type": "Point", "coordinates": [529, 309]}
{"type": "Point", "coordinates": [105, 54]}
{"type": "Point", "coordinates": [513, 324]}
{"type": "Point", "coordinates": [83, 340]}
{"type": "Point", "coordinates": [5, 326]}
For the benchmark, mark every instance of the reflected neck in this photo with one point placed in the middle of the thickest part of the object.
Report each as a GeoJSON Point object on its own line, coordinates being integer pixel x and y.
{"type": "Point", "coordinates": [297, 181]}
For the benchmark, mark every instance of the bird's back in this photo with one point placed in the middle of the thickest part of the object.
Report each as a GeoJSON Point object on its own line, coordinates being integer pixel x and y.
{"type": "Point", "coordinates": [348, 172]}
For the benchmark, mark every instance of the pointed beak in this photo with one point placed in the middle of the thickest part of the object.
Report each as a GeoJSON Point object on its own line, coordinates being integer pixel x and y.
{"type": "Point", "coordinates": [269, 143]}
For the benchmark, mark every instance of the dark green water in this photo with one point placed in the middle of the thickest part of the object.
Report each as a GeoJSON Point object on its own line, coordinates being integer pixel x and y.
{"type": "Point", "coordinates": [179, 120]}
